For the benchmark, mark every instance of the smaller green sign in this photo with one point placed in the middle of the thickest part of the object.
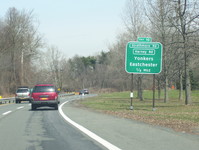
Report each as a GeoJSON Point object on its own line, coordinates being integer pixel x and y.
{"type": "Point", "coordinates": [144, 39]}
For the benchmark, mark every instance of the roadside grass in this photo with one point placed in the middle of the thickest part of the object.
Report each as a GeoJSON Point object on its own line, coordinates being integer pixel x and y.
{"type": "Point", "coordinates": [174, 114]}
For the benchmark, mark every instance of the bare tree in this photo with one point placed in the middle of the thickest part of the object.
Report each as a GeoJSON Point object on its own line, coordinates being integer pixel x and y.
{"type": "Point", "coordinates": [55, 61]}
{"type": "Point", "coordinates": [19, 44]}
{"type": "Point", "coordinates": [135, 23]}
{"type": "Point", "coordinates": [158, 13]}
{"type": "Point", "coordinates": [185, 20]}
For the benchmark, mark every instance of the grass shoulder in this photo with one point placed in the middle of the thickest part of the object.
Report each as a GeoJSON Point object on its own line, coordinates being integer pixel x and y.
{"type": "Point", "coordinates": [173, 114]}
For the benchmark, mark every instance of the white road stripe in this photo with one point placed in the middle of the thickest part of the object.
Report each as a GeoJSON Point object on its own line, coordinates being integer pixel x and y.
{"type": "Point", "coordinates": [20, 107]}
{"type": "Point", "coordinates": [86, 131]}
{"type": "Point", "coordinates": [5, 113]}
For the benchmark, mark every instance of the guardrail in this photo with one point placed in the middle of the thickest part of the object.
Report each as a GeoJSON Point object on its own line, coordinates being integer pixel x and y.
{"type": "Point", "coordinates": [7, 100]}
{"type": "Point", "coordinates": [66, 94]}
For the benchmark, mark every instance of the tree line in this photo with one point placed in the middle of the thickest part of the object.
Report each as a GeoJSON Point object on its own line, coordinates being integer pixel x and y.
{"type": "Point", "coordinates": [19, 45]}
{"type": "Point", "coordinates": [175, 24]}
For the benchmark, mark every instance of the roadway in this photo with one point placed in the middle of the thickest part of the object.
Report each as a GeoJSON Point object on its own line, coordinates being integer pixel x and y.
{"type": "Point", "coordinates": [81, 129]}
{"type": "Point", "coordinates": [43, 129]}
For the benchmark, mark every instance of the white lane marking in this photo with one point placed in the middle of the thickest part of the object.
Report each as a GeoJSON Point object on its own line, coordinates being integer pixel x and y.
{"type": "Point", "coordinates": [86, 131]}
{"type": "Point", "coordinates": [5, 113]}
{"type": "Point", "coordinates": [20, 107]}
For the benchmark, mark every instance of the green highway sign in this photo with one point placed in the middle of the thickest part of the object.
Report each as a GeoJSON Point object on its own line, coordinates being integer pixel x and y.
{"type": "Point", "coordinates": [143, 57]}
{"type": "Point", "coordinates": [144, 39]}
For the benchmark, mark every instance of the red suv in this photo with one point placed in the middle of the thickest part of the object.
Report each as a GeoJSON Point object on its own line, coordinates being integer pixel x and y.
{"type": "Point", "coordinates": [44, 95]}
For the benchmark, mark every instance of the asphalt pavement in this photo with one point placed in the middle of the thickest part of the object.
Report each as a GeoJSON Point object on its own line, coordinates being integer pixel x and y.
{"type": "Point", "coordinates": [46, 129]}
{"type": "Point", "coordinates": [129, 134]}
{"type": "Point", "coordinates": [42, 129]}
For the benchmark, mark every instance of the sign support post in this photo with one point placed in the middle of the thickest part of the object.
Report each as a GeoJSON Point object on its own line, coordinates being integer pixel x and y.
{"type": "Point", "coordinates": [131, 95]}
{"type": "Point", "coordinates": [153, 92]}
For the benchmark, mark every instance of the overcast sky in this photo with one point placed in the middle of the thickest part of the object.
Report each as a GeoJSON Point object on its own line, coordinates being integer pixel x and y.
{"type": "Point", "coordinates": [82, 27]}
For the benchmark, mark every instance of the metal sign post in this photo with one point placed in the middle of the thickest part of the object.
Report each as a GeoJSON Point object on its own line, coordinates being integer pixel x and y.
{"type": "Point", "coordinates": [153, 93]}
{"type": "Point", "coordinates": [131, 95]}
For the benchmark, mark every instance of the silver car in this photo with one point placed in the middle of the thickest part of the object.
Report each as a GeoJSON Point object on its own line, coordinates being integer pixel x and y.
{"type": "Point", "coordinates": [22, 94]}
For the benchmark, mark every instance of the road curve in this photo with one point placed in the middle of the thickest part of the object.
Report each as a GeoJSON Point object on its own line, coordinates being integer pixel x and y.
{"type": "Point", "coordinates": [100, 140]}
{"type": "Point", "coordinates": [130, 134]}
{"type": "Point", "coordinates": [43, 129]}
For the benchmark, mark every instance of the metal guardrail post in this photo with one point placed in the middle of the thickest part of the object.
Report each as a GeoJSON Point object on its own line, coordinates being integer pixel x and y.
{"type": "Point", "coordinates": [67, 94]}
{"type": "Point", "coordinates": [7, 100]}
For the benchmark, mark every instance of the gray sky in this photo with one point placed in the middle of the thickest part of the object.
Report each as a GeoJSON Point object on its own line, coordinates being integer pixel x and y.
{"type": "Point", "coordinates": [82, 27]}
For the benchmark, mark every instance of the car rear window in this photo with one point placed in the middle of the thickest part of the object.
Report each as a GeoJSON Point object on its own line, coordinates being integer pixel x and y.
{"type": "Point", "coordinates": [22, 91]}
{"type": "Point", "coordinates": [39, 89]}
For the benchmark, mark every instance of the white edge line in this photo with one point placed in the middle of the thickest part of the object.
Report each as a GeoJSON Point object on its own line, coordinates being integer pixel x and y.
{"type": "Point", "coordinates": [5, 113]}
{"type": "Point", "coordinates": [87, 132]}
{"type": "Point", "coordinates": [20, 107]}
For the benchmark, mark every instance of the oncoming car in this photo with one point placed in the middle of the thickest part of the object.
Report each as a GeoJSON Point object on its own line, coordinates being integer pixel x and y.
{"type": "Point", "coordinates": [83, 92]}
{"type": "Point", "coordinates": [44, 95]}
